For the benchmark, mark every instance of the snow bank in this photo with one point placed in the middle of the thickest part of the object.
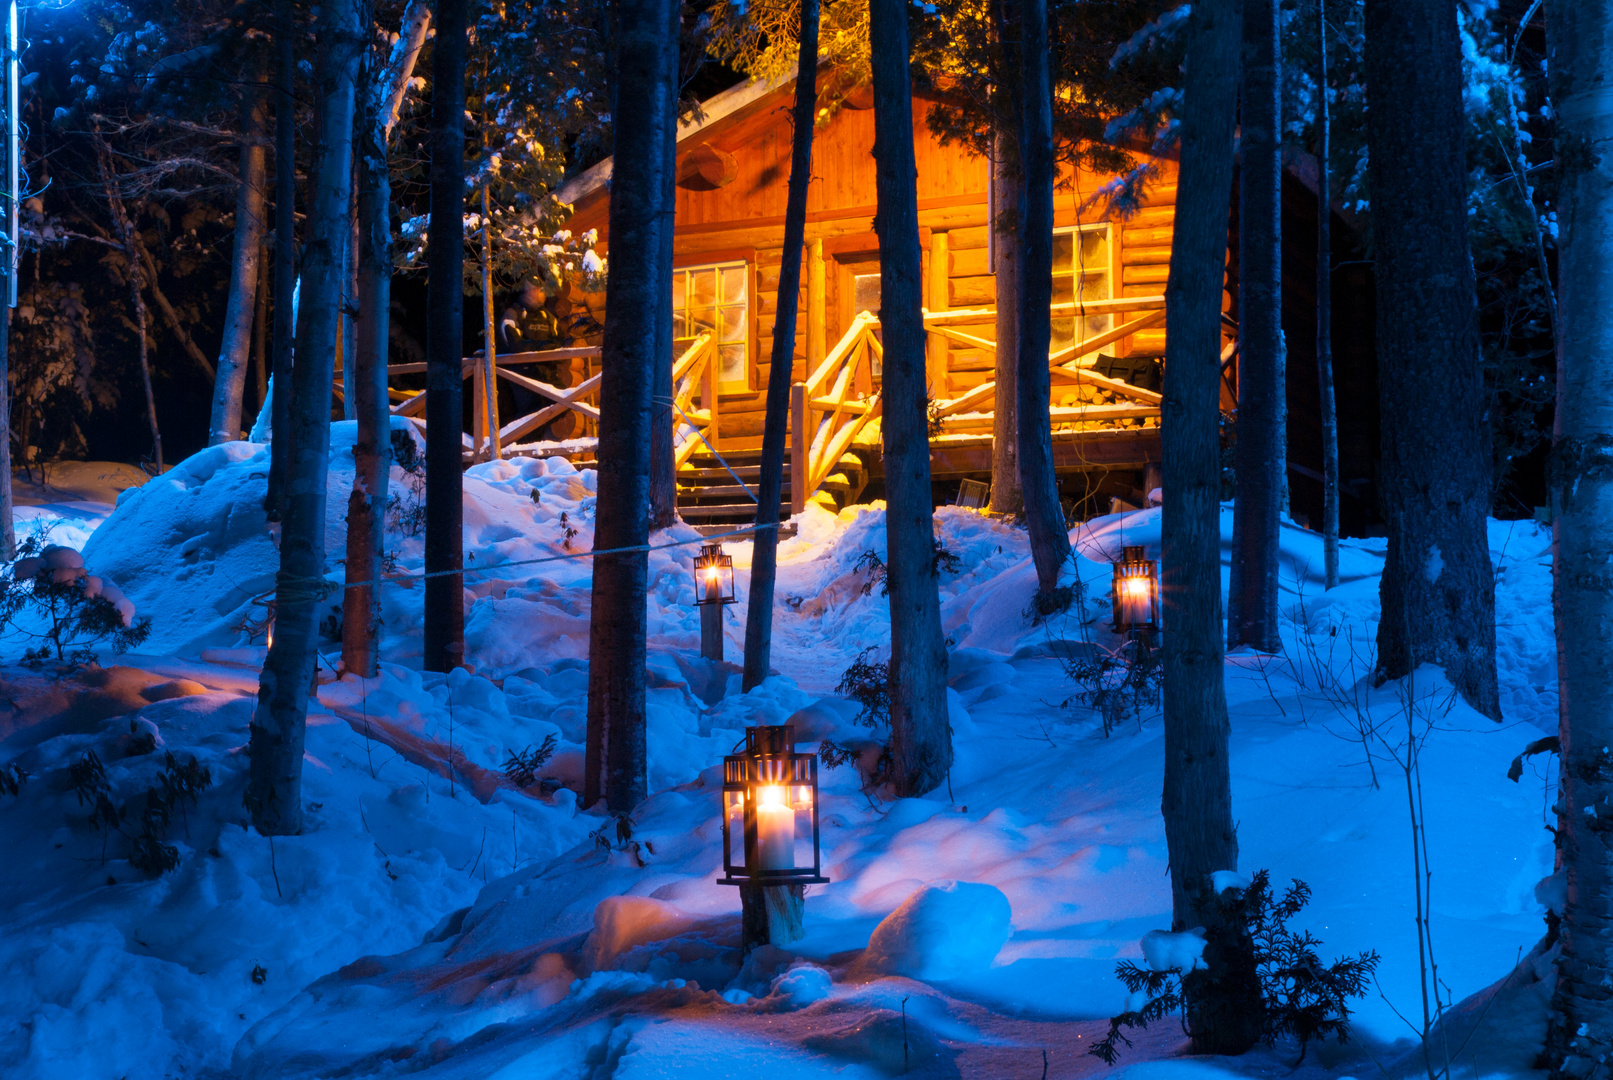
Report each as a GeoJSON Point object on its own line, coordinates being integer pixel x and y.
{"type": "Point", "coordinates": [941, 932]}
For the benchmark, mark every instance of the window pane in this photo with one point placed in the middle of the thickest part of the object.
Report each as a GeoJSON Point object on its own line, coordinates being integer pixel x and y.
{"type": "Point", "coordinates": [680, 282]}
{"type": "Point", "coordinates": [733, 285]}
{"type": "Point", "coordinates": [1063, 334]}
{"type": "Point", "coordinates": [702, 288]}
{"type": "Point", "coordinates": [1063, 288]}
{"type": "Point", "coordinates": [1095, 249]}
{"type": "Point", "coordinates": [731, 368]}
{"type": "Point", "coordinates": [865, 292]}
{"type": "Point", "coordinates": [733, 324]}
{"type": "Point", "coordinates": [702, 319]}
{"type": "Point", "coordinates": [1063, 251]}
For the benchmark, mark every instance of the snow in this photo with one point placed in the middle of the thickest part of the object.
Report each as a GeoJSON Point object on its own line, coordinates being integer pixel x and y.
{"type": "Point", "coordinates": [433, 918]}
{"type": "Point", "coordinates": [1165, 951]}
{"type": "Point", "coordinates": [943, 931]}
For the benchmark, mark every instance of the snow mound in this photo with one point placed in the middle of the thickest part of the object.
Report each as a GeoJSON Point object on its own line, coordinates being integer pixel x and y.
{"type": "Point", "coordinates": [943, 931]}
{"type": "Point", "coordinates": [622, 923]}
{"type": "Point", "coordinates": [1165, 951]}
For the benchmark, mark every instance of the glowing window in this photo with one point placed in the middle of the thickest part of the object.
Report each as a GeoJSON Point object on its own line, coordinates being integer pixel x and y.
{"type": "Point", "coordinates": [716, 298]}
{"type": "Point", "coordinates": [1082, 270]}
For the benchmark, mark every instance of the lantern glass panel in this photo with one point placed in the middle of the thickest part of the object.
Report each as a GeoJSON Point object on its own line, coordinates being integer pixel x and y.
{"type": "Point", "coordinates": [714, 576]}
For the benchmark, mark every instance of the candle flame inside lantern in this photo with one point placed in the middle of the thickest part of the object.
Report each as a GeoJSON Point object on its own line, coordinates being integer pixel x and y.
{"type": "Point", "coordinates": [1136, 588]}
{"type": "Point", "coordinates": [770, 795]}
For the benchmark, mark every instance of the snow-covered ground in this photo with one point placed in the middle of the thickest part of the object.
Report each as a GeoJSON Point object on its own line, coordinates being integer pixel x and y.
{"type": "Point", "coordinates": [435, 919]}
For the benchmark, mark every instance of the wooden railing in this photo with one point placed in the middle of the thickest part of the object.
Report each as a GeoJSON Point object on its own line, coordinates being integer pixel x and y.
{"type": "Point", "coordinates": [840, 396]}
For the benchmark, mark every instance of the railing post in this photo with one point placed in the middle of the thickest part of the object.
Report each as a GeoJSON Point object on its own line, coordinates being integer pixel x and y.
{"type": "Point", "coordinates": [817, 307]}
{"type": "Point", "coordinates": [708, 388]}
{"type": "Point", "coordinates": [800, 447]}
{"type": "Point", "coordinates": [490, 389]}
{"type": "Point", "coordinates": [478, 389]}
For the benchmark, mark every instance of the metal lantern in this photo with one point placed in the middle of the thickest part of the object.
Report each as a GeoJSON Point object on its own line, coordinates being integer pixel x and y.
{"type": "Point", "coordinates": [769, 807]}
{"type": "Point", "coordinates": [713, 576]}
{"type": "Point", "coordinates": [1136, 593]}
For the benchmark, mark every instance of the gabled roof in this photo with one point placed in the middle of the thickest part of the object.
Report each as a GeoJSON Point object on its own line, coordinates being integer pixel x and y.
{"type": "Point", "coordinates": [713, 109]}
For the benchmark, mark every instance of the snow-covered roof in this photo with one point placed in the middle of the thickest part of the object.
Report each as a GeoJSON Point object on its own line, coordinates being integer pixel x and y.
{"type": "Point", "coordinates": [713, 109]}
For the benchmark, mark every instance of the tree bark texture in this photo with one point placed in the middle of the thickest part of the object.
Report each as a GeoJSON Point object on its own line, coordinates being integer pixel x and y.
{"type": "Point", "coordinates": [1261, 454]}
{"type": "Point", "coordinates": [234, 353]}
{"type": "Point", "coordinates": [274, 786]}
{"type": "Point", "coordinates": [1579, 1038]}
{"type": "Point", "coordinates": [775, 434]}
{"type": "Point", "coordinates": [1324, 316]}
{"type": "Point", "coordinates": [1005, 496]}
{"type": "Point", "coordinates": [128, 239]}
{"type": "Point", "coordinates": [445, 509]}
{"type": "Point", "coordinates": [663, 466]}
{"type": "Point", "coordinates": [372, 449]}
{"type": "Point", "coordinates": [1437, 594]}
{"type": "Point", "coordinates": [1224, 1002]}
{"type": "Point", "coordinates": [285, 253]}
{"type": "Point", "coordinates": [921, 736]}
{"type": "Point", "coordinates": [771, 914]}
{"type": "Point", "coordinates": [8, 526]}
{"type": "Point", "coordinates": [260, 332]}
{"type": "Point", "coordinates": [640, 273]}
{"type": "Point", "coordinates": [1039, 487]}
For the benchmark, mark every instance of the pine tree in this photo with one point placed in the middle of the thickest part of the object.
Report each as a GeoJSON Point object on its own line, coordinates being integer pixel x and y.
{"type": "Point", "coordinates": [1437, 592]}
{"type": "Point", "coordinates": [1223, 1013]}
{"type": "Point", "coordinates": [921, 737]}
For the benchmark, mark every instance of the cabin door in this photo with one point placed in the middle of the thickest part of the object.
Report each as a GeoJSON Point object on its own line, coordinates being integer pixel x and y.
{"type": "Point", "coordinates": [856, 289]}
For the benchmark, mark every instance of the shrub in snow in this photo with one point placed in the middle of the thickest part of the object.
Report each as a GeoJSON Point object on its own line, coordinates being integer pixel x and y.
{"type": "Point", "coordinates": [866, 682]}
{"type": "Point", "coordinates": [943, 931]}
{"type": "Point", "coordinates": [521, 767]}
{"type": "Point", "coordinates": [1128, 679]}
{"type": "Point", "coordinates": [49, 596]}
{"type": "Point", "coordinates": [875, 572]}
{"type": "Point", "coordinates": [148, 815]}
{"type": "Point", "coordinates": [1300, 998]}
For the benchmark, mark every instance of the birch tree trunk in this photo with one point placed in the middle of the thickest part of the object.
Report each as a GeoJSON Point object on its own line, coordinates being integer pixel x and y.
{"type": "Point", "coordinates": [445, 251]}
{"type": "Point", "coordinates": [8, 526]}
{"type": "Point", "coordinates": [921, 737]}
{"type": "Point", "coordinates": [1005, 494]}
{"type": "Point", "coordinates": [285, 253]}
{"type": "Point", "coordinates": [1224, 1010]}
{"type": "Point", "coordinates": [234, 354]}
{"type": "Point", "coordinates": [1324, 317]}
{"type": "Point", "coordinates": [274, 784]}
{"type": "Point", "coordinates": [1261, 455]}
{"type": "Point", "coordinates": [372, 451]}
{"type": "Point", "coordinates": [780, 375]}
{"type": "Point", "coordinates": [1039, 488]}
{"type": "Point", "coordinates": [640, 272]}
{"type": "Point", "coordinates": [1579, 1036]}
{"type": "Point", "coordinates": [1437, 594]}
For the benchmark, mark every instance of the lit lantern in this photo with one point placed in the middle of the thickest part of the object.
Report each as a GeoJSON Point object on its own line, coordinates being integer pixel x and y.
{"type": "Point", "coordinates": [714, 576]}
{"type": "Point", "coordinates": [1136, 593]}
{"type": "Point", "coordinates": [770, 808]}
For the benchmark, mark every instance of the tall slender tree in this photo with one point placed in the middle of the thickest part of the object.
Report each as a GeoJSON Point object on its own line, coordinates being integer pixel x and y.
{"type": "Point", "coordinates": [663, 467]}
{"type": "Point", "coordinates": [1039, 489]}
{"type": "Point", "coordinates": [1324, 313]}
{"type": "Point", "coordinates": [234, 354]}
{"type": "Point", "coordinates": [775, 434]}
{"type": "Point", "coordinates": [1437, 594]}
{"type": "Point", "coordinates": [1005, 493]}
{"type": "Point", "coordinates": [274, 784]}
{"type": "Point", "coordinates": [1579, 1037]}
{"type": "Point", "coordinates": [1224, 1010]}
{"type": "Point", "coordinates": [285, 250]}
{"type": "Point", "coordinates": [372, 449]}
{"type": "Point", "coordinates": [445, 508]}
{"type": "Point", "coordinates": [615, 760]}
{"type": "Point", "coordinates": [1261, 455]}
{"type": "Point", "coordinates": [921, 737]}
{"type": "Point", "coordinates": [8, 526]}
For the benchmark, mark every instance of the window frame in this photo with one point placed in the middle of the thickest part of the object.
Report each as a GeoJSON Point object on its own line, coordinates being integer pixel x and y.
{"type": "Point", "coordinates": [718, 259]}
{"type": "Point", "coordinates": [1112, 269]}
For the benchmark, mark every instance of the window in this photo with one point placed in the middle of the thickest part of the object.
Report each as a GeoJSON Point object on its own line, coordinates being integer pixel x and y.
{"type": "Point", "coordinates": [716, 298]}
{"type": "Point", "coordinates": [865, 290]}
{"type": "Point", "coordinates": [1082, 270]}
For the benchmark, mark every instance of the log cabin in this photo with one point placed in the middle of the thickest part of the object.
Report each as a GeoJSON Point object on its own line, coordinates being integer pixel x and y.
{"type": "Point", "coordinates": [1105, 358]}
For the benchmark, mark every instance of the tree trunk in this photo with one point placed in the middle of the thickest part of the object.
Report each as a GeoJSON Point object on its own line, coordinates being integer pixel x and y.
{"type": "Point", "coordinates": [1224, 1010]}
{"type": "Point", "coordinates": [8, 527]}
{"type": "Point", "coordinates": [1579, 1036]}
{"type": "Point", "coordinates": [921, 737]}
{"type": "Point", "coordinates": [285, 253]}
{"type": "Point", "coordinates": [1437, 594]}
{"type": "Point", "coordinates": [640, 273]}
{"type": "Point", "coordinates": [1005, 493]}
{"type": "Point", "coordinates": [1261, 455]}
{"type": "Point", "coordinates": [274, 785]}
{"type": "Point", "coordinates": [770, 488]}
{"type": "Point", "coordinates": [663, 467]}
{"type": "Point", "coordinates": [372, 449]}
{"type": "Point", "coordinates": [1039, 487]}
{"type": "Point", "coordinates": [1324, 317]}
{"type": "Point", "coordinates": [445, 251]}
{"type": "Point", "coordinates": [260, 331]}
{"type": "Point", "coordinates": [229, 379]}
{"type": "Point", "coordinates": [128, 239]}
{"type": "Point", "coordinates": [489, 373]}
